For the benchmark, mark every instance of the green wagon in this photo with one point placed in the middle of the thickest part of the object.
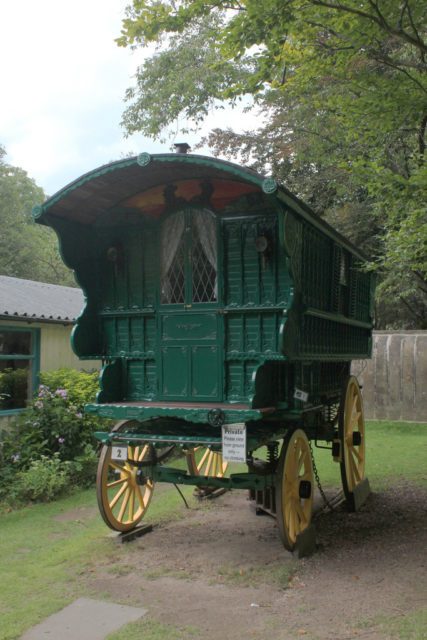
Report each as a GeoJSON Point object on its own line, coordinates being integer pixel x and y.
{"type": "Point", "coordinates": [226, 315]}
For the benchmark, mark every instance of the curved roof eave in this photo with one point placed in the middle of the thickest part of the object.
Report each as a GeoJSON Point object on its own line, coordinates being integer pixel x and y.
{"type": "Point", "coordinates": [92, 192]}
{"type": "Point", "coordinates": [91, 182]}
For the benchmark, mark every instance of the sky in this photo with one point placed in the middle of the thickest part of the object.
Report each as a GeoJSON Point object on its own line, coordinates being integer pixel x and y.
{"type": "Point", "coordinates": [63, 80]}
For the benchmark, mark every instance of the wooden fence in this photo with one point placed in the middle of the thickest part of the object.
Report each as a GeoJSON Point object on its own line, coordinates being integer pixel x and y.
{"type": "Point", "coordinates": [395, 379]}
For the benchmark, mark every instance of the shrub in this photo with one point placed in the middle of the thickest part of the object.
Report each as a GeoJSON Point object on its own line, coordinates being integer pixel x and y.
{"type": "Point", "coordinates": [54, 426]}
{"type": "Point", "coordinates": [44, 480]}
{"type": "Point", "coordinates": [82, 469]}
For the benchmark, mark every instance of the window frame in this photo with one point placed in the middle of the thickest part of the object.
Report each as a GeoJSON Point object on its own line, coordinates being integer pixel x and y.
{"type": "Point", "coordinates": [188, 302]}
{"type": "Point", "coordinates": [34, 358]}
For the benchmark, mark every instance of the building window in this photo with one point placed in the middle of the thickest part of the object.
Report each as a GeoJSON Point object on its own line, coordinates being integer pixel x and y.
{"type": "Point", "coordinates": [19, 366]}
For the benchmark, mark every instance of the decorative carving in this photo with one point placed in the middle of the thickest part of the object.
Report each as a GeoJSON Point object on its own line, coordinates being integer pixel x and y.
{"type": "Point", "coordinates": [269, 186]}
{"type": "Point", "coordinates": [216, 417]}
{"type": "Point", "coordinates": [143, 159]}
{"type": "Point", "coordinates": [37, 211]}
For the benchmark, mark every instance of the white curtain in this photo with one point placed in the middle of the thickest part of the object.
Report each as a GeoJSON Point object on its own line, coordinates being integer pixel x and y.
{"type": "Point", "coordinates": [172, 231]}
{"type": "Point", "coordinates": [206, 228]}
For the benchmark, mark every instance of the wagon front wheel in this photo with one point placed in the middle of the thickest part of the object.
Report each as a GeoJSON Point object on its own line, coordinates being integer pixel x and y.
{"type": "Point", "coordinates": [202, 461]}
{"type": "Point", "coordinates": [122, 501]}
{"type": "Point", "coordinates": [351, 431]}
{"type": "Point", "coordinates": [294, 488]}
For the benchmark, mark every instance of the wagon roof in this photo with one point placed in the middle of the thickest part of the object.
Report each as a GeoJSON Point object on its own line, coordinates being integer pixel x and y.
{"type": "Point", "coordinates": [119, 183]}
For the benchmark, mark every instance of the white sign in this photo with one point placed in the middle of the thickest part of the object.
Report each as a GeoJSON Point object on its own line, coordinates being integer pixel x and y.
{"type": "Point", "coordinates": [234, 443]}
{"type": "Point", "coordinates": [119, 453]}
{"type": "Point", "coordinates": [300, 395]}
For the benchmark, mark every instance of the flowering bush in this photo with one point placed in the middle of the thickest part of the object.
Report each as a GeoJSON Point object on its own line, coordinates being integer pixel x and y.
{"type": "Point", "coordinates": [53, 426]}
{"type": "Point", "coordinates": [44, 480]}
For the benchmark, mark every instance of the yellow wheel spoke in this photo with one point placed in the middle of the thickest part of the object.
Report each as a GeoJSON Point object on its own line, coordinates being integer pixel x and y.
{"type": "Point", "coordinates": [143, 453]}
{"type": "Point", "coordinates": [139, 497]}
{"type": "Point", "coordinates": [122, 511]}
{"type": "Point", "coordinates": [215, 469]}
{"type": "Point", "coordinates": [300, 512]}
{"type": "Point", "coordinates": [132, 504]}
{"type": "Point", "coordinates": [209, 464]}
{"type": "Point", "coordinates": [118, 495]}
{"type": "Point", "coordinates": [301, 461]}
{"type": "Point", "coordinates": [356, 453]}
{"type": "Point", "coordinates": [355, 421]}
{"type": "Point", "coordinates": [116, 466]}
{"type": "Point", "coordinates": [115, 483]}
{"type": "Point", "coordinates": [355, 470]}
{"type": "Point", "coordinates": [202, 461]}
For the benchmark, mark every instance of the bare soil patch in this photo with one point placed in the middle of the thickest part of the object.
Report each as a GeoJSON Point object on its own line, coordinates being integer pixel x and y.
{"type": "Point", "coordinates": [224, 571]}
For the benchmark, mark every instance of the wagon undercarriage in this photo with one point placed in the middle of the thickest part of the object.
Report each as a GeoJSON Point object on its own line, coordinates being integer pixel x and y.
{"type": "Point", "coordinates": [135, 456]}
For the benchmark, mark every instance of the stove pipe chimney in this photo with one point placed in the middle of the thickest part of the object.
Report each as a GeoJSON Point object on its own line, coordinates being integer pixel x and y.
{"type": "Point", "coordinates": [181, 147]}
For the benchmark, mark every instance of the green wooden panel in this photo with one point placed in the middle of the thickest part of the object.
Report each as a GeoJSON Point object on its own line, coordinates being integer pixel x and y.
{"type": "Point", "coordinates": [175, 366]}
{"type": "Point", "coordinates": [191, 356]}
{"type": "Point", "coordinates": [135, 380]}
{"type": "Point", "coordinates": [136, 335]}
{"type": "Point", "coordinates": [185, 327]}
{"type": "Point", "coordinates": [253, 279]}
{"type": "Point", "coordinates": [205, 373]}
{"type": "Point", "coordinates": [135, 268]}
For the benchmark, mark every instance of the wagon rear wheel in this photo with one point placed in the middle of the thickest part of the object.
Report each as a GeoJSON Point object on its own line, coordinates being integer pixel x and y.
{"type": "Point", "coordinates": [121, 500]}
{"type": "Point", "coordinates": [294, 488]}
{"type": "Point", "coordinates": [202, 461]}
{"type": "Point", "coordinates": [351, 431]}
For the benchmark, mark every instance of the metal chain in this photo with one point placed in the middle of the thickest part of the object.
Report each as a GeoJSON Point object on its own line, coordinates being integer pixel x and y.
{"type": "Point", "coordinates": [316, 475]}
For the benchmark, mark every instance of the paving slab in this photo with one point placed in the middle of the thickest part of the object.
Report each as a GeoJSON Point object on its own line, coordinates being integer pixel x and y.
{"type": "Point", "coordinates": [84, 619]}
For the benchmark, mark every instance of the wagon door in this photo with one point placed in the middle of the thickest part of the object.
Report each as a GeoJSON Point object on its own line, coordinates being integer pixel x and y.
{"type": "Point", "coordinates": [189, 332]}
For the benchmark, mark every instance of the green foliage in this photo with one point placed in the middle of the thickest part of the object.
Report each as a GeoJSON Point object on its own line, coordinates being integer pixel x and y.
{"type": "Point", "coordinates": [54, 425]}
{"type": "Point", "coordinates": [81, 386]}
{"type": "Point", "coordinates": [82, 469]}
{"type": "Point", "coordinates": [341, 92]}
{"type": "Point", "coordinates": [13, 384]}
{"type": "Point", "coordinates": [43, 481]}
{"type": "Point", "coordinates": [27, 250]}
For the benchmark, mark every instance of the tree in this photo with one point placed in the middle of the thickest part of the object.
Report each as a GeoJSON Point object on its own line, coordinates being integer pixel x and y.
{"type": "Point", "coordinates": [341, 86]}
{"type": "Point", "coordinates": [26, 250]}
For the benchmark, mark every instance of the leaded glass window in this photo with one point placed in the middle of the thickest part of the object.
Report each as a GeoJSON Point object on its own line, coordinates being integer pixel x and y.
{"type": "Point", "coordinates": [204, 257]}
{"type": "Point", "coordinates": [189, 258]}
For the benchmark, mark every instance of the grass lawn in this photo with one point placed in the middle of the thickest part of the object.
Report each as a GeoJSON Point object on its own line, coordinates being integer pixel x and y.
{"type": "Point", "coordinates": [43, 551]}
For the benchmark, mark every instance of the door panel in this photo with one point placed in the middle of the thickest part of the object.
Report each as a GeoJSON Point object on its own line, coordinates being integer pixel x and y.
{"type": "Point", "coordinates": [204, 373]}
{"type": "Point", "coordinates": [175, 372]}
{"type": "Point", "coordinates": [190, 357]}
{"type": "Point", "coordinates": [183, 327]}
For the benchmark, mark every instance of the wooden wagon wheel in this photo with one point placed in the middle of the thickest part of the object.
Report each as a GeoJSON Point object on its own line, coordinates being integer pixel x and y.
{"type": "Point", "coordinates": [351, 433]}
{"type": "Point", "coordinates": [121, 500]}
{"type": "Point", "coordinates": [294, 488]}
{"type": "Point", "coordinates": [202, 461]}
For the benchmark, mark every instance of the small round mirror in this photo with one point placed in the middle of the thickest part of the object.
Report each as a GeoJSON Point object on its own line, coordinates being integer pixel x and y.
{"type": "Point", "coordinates": [112, 254]}
{"type": "Point", "coordinates": [261, 244]}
